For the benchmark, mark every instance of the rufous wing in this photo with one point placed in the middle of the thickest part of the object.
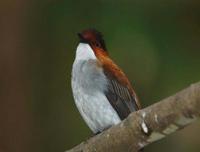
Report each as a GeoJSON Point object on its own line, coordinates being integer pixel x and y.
{"type": "Point", "coordinates": [119, 91]}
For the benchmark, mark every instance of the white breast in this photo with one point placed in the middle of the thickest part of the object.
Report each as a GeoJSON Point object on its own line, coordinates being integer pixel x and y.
{"type": "Point", "coordinates": [84, 52]}
{"type": "Point", "coordinates": [88, 85]}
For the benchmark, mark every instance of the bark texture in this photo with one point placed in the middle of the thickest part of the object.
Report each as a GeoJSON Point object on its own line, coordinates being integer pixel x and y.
{"type": "Point", "coordinates": [148, 125]}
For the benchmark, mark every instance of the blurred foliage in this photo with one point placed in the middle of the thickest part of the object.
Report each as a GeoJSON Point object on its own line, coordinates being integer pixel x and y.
{"type": "Point", "coordinates": [156, 43]}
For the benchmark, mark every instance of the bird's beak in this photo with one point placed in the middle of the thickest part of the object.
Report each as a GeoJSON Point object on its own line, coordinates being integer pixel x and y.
{"type": "Point", "coordinates": [81, 38]}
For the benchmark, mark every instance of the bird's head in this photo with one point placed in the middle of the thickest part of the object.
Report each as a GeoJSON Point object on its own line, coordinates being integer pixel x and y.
{"type": "Point", "coordinates": [93, 38]}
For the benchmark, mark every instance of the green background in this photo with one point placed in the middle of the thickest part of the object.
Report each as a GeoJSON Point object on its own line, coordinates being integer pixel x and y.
{"type": "Point", "coordinates": [156, 43]}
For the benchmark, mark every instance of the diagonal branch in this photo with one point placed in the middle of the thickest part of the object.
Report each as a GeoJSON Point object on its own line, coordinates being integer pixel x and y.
{"type": "Point", "coordinates": [148, 125]}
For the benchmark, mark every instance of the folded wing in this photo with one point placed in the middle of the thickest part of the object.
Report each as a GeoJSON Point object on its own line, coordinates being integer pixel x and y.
{"type": "Point", "coordinates": [119, 90]}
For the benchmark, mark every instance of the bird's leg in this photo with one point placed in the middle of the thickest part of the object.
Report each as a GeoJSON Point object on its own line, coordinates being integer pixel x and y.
{"type": "Point", "coordinates": [97, 133]}
{"type": "Point", "coordinates": [107, 128]}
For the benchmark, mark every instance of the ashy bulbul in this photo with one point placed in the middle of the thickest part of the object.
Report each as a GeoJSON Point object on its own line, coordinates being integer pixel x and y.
{"type": "Point", "coordinates": [102, 92]}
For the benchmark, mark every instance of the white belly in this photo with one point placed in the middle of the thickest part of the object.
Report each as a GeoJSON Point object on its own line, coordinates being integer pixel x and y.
{"type": "Point", "coordinates": [96, 111]}
{"type": "Point", "coordinates": [88, 86]}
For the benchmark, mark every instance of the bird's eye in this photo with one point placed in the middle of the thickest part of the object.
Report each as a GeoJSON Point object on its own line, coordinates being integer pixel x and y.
{"type": "Point", "coordinates": [97, 44]}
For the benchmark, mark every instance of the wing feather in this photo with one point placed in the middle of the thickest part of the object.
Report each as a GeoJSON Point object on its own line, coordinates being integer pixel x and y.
{"type": "Point", "coordinates": [119, 92]}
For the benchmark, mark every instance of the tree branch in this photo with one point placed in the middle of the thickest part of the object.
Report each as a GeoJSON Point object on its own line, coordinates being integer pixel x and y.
{"type": "Point", "coordinates": [147, 125]}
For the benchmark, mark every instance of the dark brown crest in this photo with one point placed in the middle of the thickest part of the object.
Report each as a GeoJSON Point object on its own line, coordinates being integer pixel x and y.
{"type": "Point", "coordinates": [93, 37]}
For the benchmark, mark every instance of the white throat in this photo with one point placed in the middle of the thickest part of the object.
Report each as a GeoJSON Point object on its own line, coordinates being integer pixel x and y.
{"type": "Point", "coordinates": [84, 52]}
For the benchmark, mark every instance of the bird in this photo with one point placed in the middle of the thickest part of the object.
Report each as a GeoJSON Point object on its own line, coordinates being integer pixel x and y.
{"type": "Point", "coordinates": [102, 92]}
